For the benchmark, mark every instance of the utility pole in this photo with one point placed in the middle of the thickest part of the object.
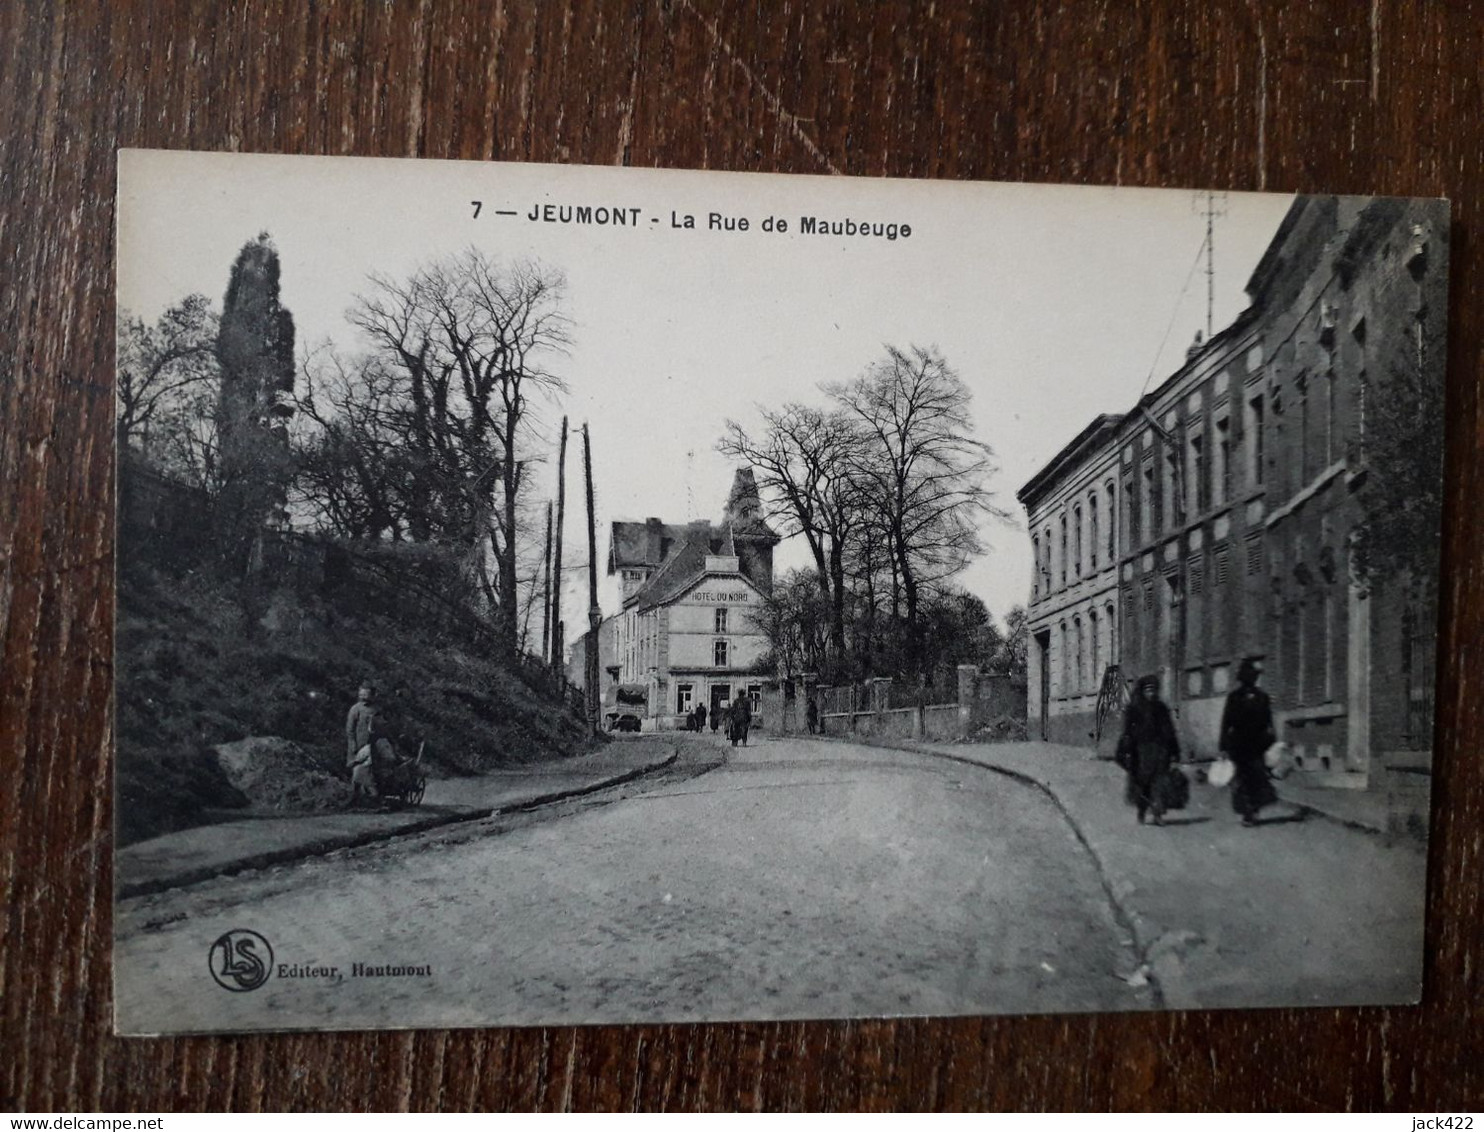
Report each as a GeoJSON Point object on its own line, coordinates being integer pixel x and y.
{"type": "Point", "coordinates": [594, 614]}
{"type": "Point", "coordinates": [546, 636]}
{"type": "Point", "coordinates": [559, 638]}
{"type": "Point", "coordinates": [1210, 260]}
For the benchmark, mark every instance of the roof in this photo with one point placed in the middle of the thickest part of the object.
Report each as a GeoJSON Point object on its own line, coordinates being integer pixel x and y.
{"type": "Point", "coordinates": [632, 544]}
{"type": "Point", "coordinates": [1101, 429]}
{"type": "Point", "coordinates": [674, 576]}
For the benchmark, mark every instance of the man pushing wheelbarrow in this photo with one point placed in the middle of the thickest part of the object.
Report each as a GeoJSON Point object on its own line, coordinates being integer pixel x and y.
{"type": "Point", "coordinates": [377, 773]}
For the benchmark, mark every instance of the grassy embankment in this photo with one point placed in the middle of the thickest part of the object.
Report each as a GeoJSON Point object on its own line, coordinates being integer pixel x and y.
{"type": "Point", "coordinates": [194, 669]}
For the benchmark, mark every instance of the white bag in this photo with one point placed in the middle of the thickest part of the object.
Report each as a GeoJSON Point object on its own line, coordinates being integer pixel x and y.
{"type": "Point", "coordinates": [1279, 759]}
{"type": "Point", "coordinates": [1221, 772]}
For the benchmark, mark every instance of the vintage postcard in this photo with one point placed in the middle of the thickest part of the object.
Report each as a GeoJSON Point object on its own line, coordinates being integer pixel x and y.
{"type": "Point", "coordinates": [563, 595]}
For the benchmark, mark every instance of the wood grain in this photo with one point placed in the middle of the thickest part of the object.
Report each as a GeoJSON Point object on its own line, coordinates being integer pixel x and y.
{"type": "Point", "coordinates": [1330, 97]}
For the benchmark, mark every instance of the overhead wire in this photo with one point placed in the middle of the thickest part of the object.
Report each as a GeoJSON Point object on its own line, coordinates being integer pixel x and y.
{"type": "Point", "coordinates": [1174, 314]}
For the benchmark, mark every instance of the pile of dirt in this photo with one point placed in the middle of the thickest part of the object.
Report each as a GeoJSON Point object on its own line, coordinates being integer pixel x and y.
{"type": "Point", "coordinates": [280, 775]}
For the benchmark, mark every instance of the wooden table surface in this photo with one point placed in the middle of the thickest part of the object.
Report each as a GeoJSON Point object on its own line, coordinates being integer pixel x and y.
{"type": "Point", "coordinates": [1344, 97]}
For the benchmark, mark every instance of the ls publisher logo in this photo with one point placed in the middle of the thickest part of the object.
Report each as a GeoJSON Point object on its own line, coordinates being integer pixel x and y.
{"type": "Point", "coordinates": [241, 960]}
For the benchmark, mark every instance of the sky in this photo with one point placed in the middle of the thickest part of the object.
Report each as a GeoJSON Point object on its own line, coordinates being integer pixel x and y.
{"type": "Point", "coordinates": [1053, 303]}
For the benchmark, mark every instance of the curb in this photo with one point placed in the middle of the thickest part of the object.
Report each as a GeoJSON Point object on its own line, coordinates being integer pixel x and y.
{"type": "Point", "coordinates": [1166, 986]}
{"type": "Point", "coordinates": [301, 852]}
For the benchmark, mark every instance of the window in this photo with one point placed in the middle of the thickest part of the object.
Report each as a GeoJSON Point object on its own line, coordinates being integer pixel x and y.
{"type": "Point", "coordinates": [1064, 550]}
{"type": "Point", "coordinates": [755, 694]}
{"type": "Point", "coordinates": [1254, 555]}
{"type": "Point", "coordinates": [1329, 418]}
{"type": "Point", "coordinates": [1197, 468]}
{"type": "Point", "coordinates": [1329, 647]}
{"type": "Point", "coordinates": [719, 654]}
{"type": "Point", "coordinates": [1112, 501]}
{"type": "Point", "coordinates": [1046, 565]}
{"type": "Point", "coordinates": [1077, 675]}
{"type": "Point", "coordinates": [721, 620]}
{"type": "Point", "coordinates": [1111, 623]}
{"type": "Point", "coordinates": [1254, 438]}
{"type": "Point", "coordinates": [1092, 531]}
{"type": "Point", "coordinates": [1303, 469]}
{"type": "Point", "coordinates": [1092, 636]}
{"type": "Point", "coordinates": [1195, 577]}
{"type": "Point", "coordinates": [1146, 504]}
{"type": "Point", "coordinates": [1221, 470]}
{"type": "Point", "coordinates": [1065, 666]}
{"type": "Point", "coordinates": [1167, 487]}
{"type": "Point", "coordinates": [1077, 541]}
{"type": "Point", "coordinates": [1036, 567]}
{"type": "Point", "coordinates": [683, 695]}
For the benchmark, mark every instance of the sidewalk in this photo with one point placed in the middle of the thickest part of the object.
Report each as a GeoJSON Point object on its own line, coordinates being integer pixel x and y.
{"type": "Point", "coordinates": [1293, 912]}
{"type": "Point", "coordinates": [197, 854]}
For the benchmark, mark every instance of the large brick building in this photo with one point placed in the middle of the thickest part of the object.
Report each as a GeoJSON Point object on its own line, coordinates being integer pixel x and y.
{"type": "Point", "coordinates": [685, 633]}
{"type": "Point", "coordinates": [1239, 484]}
{"type": "Point", "coordinates": [1072, 505]}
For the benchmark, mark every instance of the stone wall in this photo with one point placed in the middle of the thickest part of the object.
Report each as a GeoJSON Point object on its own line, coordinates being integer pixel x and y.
{"type": "Point", "coordinates": [982, 698]}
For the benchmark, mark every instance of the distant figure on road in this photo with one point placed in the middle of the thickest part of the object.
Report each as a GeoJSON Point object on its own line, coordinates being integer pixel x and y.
{"type": "Point", "coordinates": [361, 733]}
{"type": "Point", "coordinates": [811, 714]}
{"type": "Point", "coordinates": [1147, 749]}
{"type": "Point", "coordinates": [701, 717]}
{"type": "Point", "coordinates": [716, 718]}
{"type": "Point", "coordinates": [1247, 732]}
{"type": "Point", "coordinates": [739, 719]}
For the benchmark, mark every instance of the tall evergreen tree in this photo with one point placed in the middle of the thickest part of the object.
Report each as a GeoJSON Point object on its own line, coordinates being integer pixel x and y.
{"type": "Point", "coordinates": [255, 352]}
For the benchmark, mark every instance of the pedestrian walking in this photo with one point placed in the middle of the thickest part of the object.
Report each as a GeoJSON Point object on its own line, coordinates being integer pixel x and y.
{"type": "Point", "coordinates": [1247, 732]}
{"type": "Point", "coordinates": [701, 717]}
{"type": "Point", "coordinates": [716, 718]}
{"type": "Point", "coordinates": [1147, 750]}
{"type": "Point", "coordinates": [811, 712]}
{"type": "Point", "coordinates": [739, 719]}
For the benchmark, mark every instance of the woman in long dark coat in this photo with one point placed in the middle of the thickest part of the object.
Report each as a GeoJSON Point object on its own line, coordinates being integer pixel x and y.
{"type": "Point", "coordinates": [1247, 732]}
{"type": "Point", "coordinates": [1147, 749]}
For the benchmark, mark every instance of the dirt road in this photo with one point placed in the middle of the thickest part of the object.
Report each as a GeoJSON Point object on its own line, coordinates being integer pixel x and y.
{"type": "Point", "coordinates": [792, 878]}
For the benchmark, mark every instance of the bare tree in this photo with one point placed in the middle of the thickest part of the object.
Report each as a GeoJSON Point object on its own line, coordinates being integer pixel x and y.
{"type": "Point", "coordinates": [352, 468]}
{"type": "Point", "coordinates": [922, 471]}
{"type": "Point", "coordinates": [470, 342]}
{"type": "Point", "coordinates": [167, 387]}
{"type": "Point", "coordinates": [795, 620]}
{"type": "Point", "coordinates": [804, 459]}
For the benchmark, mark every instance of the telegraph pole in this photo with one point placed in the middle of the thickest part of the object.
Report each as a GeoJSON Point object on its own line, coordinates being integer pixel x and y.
{"type": "Point", "coordinates": [594, 614]}
{"type": "Point", "coordinates": [559, 635]}
{"type": "Point", "coordinates": [546, 636]}
{"type": "Point", "coordinates": [1210, 260]}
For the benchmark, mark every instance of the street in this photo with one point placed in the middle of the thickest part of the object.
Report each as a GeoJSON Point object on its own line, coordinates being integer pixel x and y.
{"type": "Point", "coordinates": [792, 878]}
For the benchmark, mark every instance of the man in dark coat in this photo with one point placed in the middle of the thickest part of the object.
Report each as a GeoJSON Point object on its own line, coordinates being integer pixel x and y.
{"type": "Point", "coordinates": [1147, 749]}
{"type": "Point", "coordinates": [701, 717]}
{"type": "Point", "coordinates": [739, 718]}
{"type": "Point", "coordinates": [1247, 732]}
